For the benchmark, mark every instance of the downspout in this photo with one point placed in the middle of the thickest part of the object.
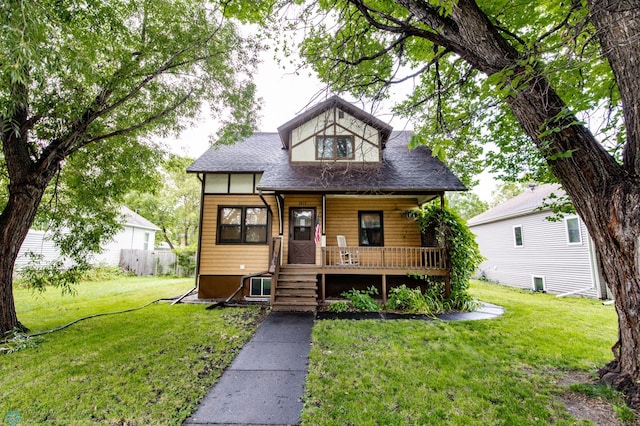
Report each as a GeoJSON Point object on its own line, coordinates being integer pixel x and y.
{"type": "Point", "coordinates": [279, 203]}
{"type": "Point", "coordinates": [569, 293]}
{"type": "Point", "coordinates": [595, 282]}
{"type": "Point", "coordinates": [265, 202]}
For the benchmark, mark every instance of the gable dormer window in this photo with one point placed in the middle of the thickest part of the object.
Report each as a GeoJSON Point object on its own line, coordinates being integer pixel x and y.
{"type": "Point", "coordinates": [334, 148]}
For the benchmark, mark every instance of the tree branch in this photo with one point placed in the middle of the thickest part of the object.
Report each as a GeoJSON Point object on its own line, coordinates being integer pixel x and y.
{"type": "Point", "coordinates": [617, 23]}
{"type": "Point", "coordinates": [137, 126]}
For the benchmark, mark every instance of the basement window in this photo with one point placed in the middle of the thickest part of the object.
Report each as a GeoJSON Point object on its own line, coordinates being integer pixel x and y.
{"type": "Point", "coordinates": [538, 283]}
{"type": "Point", "coordinates": [260, 287]}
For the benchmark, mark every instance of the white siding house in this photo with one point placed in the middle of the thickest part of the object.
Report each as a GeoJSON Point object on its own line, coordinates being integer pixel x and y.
{"type": "Point", "coordinates": [137, 233]}
{"type": "Point", "coordinates": [523, 249]}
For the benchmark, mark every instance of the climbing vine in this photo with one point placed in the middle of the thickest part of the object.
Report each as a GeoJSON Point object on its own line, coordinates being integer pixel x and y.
{"type": "Point", "coordinates": [451, 232]}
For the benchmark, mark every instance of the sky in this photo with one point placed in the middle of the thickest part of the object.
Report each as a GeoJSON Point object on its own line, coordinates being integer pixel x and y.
{"type": "Point", "coordinates": [286, 94]}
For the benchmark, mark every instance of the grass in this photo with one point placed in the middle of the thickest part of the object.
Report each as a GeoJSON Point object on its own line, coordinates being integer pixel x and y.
{"type": "Point", "coordinates": [147, 367]}
{"type": "Point", "coordinates": [500, 371]}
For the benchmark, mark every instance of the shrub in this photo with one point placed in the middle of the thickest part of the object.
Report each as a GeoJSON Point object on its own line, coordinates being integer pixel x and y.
{"type": "Point", "coordinates": [337, 307]}
{"type": "Point", "coordinates": [362, 300]}
{"type": "Point", "coordinates": [103, 273]}
{"type": "Point", "coordinates": [403, 298]}
{"type": "Point", "coordinates": [453, 234]}
{"type": "Point", "coordinates": [186, 260]}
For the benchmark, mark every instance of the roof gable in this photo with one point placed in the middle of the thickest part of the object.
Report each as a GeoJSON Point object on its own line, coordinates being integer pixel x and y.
{"type": "Point", "coordinates": [333, 102]}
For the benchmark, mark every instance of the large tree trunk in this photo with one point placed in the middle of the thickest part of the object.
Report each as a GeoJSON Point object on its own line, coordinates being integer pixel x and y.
{"type": "Point", "coordinates": [27, 182]}
{"type": "Point", "coordinates": [15, 221]}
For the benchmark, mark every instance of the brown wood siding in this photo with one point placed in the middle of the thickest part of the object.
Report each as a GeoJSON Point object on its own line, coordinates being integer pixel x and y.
{"type": "Point", "coordinates": [302, 200]}
{"type": "Point", "coordinates": [225, 259]}
{"type": "Point", "coordinates": [342, 219]}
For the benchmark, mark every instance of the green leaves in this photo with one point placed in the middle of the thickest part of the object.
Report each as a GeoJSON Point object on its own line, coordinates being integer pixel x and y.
{"type": "Point", "coordinates": [452, 233]}
{"type": "Point", "coordinates": [86, 85]}
{"type": "Point", "coordinates": [460, 114]}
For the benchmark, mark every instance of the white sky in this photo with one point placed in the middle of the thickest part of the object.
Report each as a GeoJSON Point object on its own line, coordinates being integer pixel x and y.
{"type": "Point", "coordinates": [285, 95]}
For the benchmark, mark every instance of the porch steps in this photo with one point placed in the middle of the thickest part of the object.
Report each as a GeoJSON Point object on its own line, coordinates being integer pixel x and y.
{"type": "Point", "coordinates": [296, 290]}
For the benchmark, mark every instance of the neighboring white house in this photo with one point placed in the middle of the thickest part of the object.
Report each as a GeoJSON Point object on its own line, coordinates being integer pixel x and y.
{"type": "Point", "coordinates": [137, 233]}
{"type": "Point", "coordinates": [523, 249]}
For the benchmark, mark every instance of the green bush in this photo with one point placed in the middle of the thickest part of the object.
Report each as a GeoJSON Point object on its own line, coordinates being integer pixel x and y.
{"type": "Point", "coordinates": [407, 299]}
{"type": "Point", "coordinates": [103, 273]}
{"type": "Point", "coordinates": [338, 307]}
{"type": "Point", "coordinates": [186, 260]}
{"type": "Point", "coordinates": [362, 300]}
{"type": "Point", "coordinates": [452, 234]}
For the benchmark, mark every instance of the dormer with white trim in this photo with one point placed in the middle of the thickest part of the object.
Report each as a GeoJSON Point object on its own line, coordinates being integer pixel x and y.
{"type": "Point", "coordinates": [334, 131]}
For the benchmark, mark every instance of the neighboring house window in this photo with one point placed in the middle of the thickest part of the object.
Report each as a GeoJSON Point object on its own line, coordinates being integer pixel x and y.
{"type": "Point", "coordinates": [260, 286]}
{"type": "Point", "coordinates": [538, 283]}
{"type": "Point", "coordinates": [334, 147]}
{"type": "Point", "coordinates": [371, 229]}
{"type": "Point", "coordinates": [242, 224]}
{"type": "Point", "coordinates": [517, 236]}
{"type": "Point", "coordinates": [573, 230]}
{"type": "Point", "coordinates": [146, 240]}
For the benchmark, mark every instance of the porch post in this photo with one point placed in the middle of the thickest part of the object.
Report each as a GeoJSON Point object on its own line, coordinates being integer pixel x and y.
{"type": "Point", "coordinates": [322, 289]}
{"type": "Point", "coordinates": [384, 288]}
{"type": "Point", "coordinates": [442, 201]}
{"type": "Point", "coordinates": [447, 284]}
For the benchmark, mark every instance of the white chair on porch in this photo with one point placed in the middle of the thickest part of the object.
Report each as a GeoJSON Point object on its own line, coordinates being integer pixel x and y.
{"type": "Point", "coordinates": [346, 257]}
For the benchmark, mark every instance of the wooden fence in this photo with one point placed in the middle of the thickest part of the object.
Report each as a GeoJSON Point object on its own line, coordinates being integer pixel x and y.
{"type": "Point", "coordinates": [147, 262]}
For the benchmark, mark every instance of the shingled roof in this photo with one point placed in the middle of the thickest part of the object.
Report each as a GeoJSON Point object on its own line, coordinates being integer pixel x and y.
{"type": "Point", "coordinates": [402, 170]}
{"type": "Point", "coordinates": [526, 203]}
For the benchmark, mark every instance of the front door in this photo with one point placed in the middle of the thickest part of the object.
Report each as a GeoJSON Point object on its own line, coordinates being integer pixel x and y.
{"type": "Point", "coordinates": [302, 246]}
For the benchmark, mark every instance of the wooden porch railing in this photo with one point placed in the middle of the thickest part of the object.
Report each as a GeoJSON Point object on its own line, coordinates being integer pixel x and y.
{"type": "Point", "coordinates": [402, 258]}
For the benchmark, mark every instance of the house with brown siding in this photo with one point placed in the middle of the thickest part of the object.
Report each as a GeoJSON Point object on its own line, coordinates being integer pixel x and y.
{"type": "Point", "coordinates": [274, 204]}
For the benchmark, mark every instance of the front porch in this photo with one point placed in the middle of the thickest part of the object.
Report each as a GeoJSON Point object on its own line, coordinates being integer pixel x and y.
{"type": "Point", "coordinates": [295, 286]}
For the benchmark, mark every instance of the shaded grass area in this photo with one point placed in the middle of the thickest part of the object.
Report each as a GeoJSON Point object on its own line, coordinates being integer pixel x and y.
{"type": "Point", "coordinates": [151, 366]}
{"type": "Point", "coordinates": [500, 371]}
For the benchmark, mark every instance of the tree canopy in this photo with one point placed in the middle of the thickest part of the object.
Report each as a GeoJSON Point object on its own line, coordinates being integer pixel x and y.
{"type": "Point", "coordinates": [84, 87]}
{"type": "Point", "coordinates": [456, 103]}
{"type": "Point", "coordinates": [173, 205]}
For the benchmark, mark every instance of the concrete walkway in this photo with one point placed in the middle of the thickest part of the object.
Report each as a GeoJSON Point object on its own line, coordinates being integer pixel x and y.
{"type": "Point", "coordinates": [265, 383]}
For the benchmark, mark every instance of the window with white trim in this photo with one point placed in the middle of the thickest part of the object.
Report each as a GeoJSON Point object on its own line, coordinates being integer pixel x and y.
{"type": "Point", "coordinates": [260, 287]}
{"type": "Point", "coordinates": [518, 240]}
{"type": "Point", "coordinates": [572, 225]}
{"type": "Point", "coordinates": [537, 282]}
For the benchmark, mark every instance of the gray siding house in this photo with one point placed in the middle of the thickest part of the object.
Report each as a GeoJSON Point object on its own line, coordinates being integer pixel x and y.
{"type": "Point", "coordinates": [523, 249]}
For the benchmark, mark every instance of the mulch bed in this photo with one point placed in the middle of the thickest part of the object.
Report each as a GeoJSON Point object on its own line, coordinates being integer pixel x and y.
{"type": "Point", "coordinates": [326, 315]}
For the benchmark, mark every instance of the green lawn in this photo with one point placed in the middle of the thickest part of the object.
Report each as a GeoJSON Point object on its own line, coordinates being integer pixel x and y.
{"type": "Point", "coordinates": [153, 366]}
{"type": "Point", "coordinates": [148, 367]}
{"type": "Point", "coordinates": [500, 371]}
